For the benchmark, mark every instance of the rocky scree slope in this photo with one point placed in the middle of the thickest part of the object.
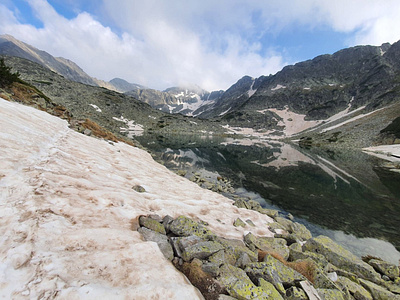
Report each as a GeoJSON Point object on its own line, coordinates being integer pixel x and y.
{"type": "Point", "coordinates": [114, 111]}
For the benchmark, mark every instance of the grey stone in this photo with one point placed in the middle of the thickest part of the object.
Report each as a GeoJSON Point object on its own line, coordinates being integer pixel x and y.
{"type": "Point", "coordinates": [272, 270]}
{"type": "Point", "coordinates": [377, 291]}
{"type": "Point", "coordinates": [238, 222]}
{"type": "Point", "coordinates": [356, 290]}
{"type": "Point", "coordinates": [201, 250]}
{"type": "Point", "coordinates": [239, 285]}
{"type": "Point", "coordinates": [294, 293]}
{"type": "Point", "coordinates": [385, 268]}
{"type": "Point", "coordinates": [243, 260]}
{"type": "Point", "coordinates": [341, 257]}
{"type": "Point", "coordinates": [210, 268]}
{"type": "Point", "coordinates": [139, 189]}
{"type": "Point", "coordinates": [152, 224]}
{"type": "Point", "coordinates": [330, 294]}
{"type": "Point", "coordinates": [268, 244]}
{"type": "Point", "coordinates": [160, 239]}
{"type": "Point", "coordinates": [183, 226]}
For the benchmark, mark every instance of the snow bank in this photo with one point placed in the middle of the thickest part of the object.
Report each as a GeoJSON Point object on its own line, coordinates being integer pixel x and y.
{"type": "Point", "coordinates": [68, 211]}
{"type": "Point", "coordinates": [386, 152]}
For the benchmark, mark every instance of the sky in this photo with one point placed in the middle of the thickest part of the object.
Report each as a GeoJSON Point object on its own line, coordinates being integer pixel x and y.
{"type": "Point", "coordinates": [211, 43]}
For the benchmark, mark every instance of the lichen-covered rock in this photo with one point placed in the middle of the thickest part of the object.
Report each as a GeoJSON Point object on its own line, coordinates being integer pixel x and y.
{"type": "Point", "coordinates": [200, 250]}
{"type": "Point", "coordinates": [269, 212]}
{"type": "Point", "coordinates": [243, 261]}
{"type": "Point", "coordinates": [356, 290]}
{"type": "Point", "coordinates": [296, 253]}
{"type": "Point", "coordinates": [152, 224]}
{"type": "Point", "coordinates": [341, 257]}
{"type": "Point", "coordinates": [184, 226]}
{"type": "Point", "coordinates": [391, 286]}
{"type": "Point", "coordinates": [385, 268]}
{"type": "Point", "coordinates": [239, 285]}
{"type": "Point", "coordinates": [210, 268]}
{"type": "Point", "coordinates": [272, 270]}
{"type": "Point", "coordinates": [241, 204]}
{"type": "Point", "coordinates": [139, 189]}
{"type": "Point", "coordinates": [297, 229]}
{"type": "Point", "coordinates": [269, 289]}
{"type": "Point", "coordinates": [328, 294]}
{"type": "Point", "coordinates": [237, 248]}
{"type": "Point", "coordinates": [219, 258]}
{"type": "Point", "coordinates": [225, 297]}
{"type": "Point", "coordinates": [377, 291]}
{"type": "Point", "coordinates": [294, 293]}
{"type": "Point", "coordinates": [268, 244]}
{"type": "Point", "coordinates": [239, 223]}
{"type": "Point", "coordinates": [160, 239]}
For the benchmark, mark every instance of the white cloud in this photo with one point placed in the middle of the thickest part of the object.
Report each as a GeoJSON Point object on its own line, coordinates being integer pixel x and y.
{"type": "Point", "coordinates": [211, 43]}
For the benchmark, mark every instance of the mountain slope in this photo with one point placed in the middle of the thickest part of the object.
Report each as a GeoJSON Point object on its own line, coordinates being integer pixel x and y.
{"type": "Point", "coordinates": [118, 113]}
{"type": "Point", "coordinates": [327, 89]}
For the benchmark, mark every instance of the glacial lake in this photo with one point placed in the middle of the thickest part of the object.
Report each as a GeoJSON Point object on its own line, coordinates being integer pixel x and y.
{"type": "Point", "coordinates": [345, 195]}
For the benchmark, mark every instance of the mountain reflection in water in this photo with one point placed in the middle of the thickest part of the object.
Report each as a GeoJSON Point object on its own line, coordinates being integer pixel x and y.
{"type": "Point", "coordinates": [341, 194]}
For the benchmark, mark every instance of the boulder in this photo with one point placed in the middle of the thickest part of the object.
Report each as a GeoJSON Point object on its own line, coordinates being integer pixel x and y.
{"type": "Point", "coordinates": [268, 244]}
{"type": "Point", "coordinates": [294, 293]}
{"type": "Point", "coordinates": [221, 257]}
{"type": "Point", "coordinates": [200, 250]}
{"type": "Point", "coordinates": [377, 291]}
{"type": "Point", "coordinates": [296, 253]}
{"type": "Point", "coordinates": [341, 258]}
{"type": "Point", "coordinates": [275, 272]}
{"type": "Point", "coordinates": [237, 248]}
{"type": "Point", "coordinates": [385, 268]}
{"type": "Point", "coordinates": [356, 290]}
{"type": "Point", "coordinates": [269, 289]}
{"type": "Point", "coordinates": [184, 226]}
{"type": "Point", "coordinates": [160, 239]}
{"type": "Point", "coordinates": [238, 222]}
{"type": "Point", "coordinates": [329, 294]}
{"type": "Point", "coordinates": [152, 224]}
{"type": "Point", "coordinates": [297, 229]}
{"type": "Point", "coordinates": [239, 285]}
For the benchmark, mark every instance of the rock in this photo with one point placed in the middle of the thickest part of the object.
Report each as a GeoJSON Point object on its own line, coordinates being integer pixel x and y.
{"type": "Point", "coordinates": [239, 285]}
{"type": "Point", "coordinates": [87, 132]}
{"type": "Point", "coordinates": [139, 189]}
{"type": "Point", "coordinates": [238, 222]}
{"type": "Point", "coordinates": [341, 257]}
{"type": "Point", "coordinates": [181, 173]}
{"type": "Point", "coordinates": [268, 244]}
{"type": "Point", "coordinates": [269, 289]}
{"type": "Point", "coordinates": [269, 212]}
{"type": "Point", "coordinates": [328, 294]}
{"type": "Point", "coordinates": [243, 261]}
{"type": "Point", "coordinates": [250, 222]}
{"type": "Point", "coordinates": [210, 268]}
{"type": "Point", "coordinates": [356, 290]}
{"type": "Point", "coordinates": [219, 259]}
{"type": "Point", "coordinates": [294, 293]}
{"type": "Point", "coordinates": [241, 204]}
{"type": "Point", "coordinates": [295, 253]}
{"type": "Point", "coordinates": [152, 224]}
{"type": "Point", "coordinates": [385, 268]}
{"type": "Point", "coordinates": [167, 220]}
{"type": "Point", "coordinates": [377, 291]}
{"type": "Point", "coordinates": [225, 297]}
{"type": "Point", "coordinates": [160, 239]}
{"type": "Point", "coordinates": [200, 250]}
{"type": "Point", "coordinates": [299, 230]}
{"type": "Point", "coordinates": [272, 270]}
{"type": "Point", "coordinates": [237, 248]}
{"type": "Point", "coordinates": [391, 286]}
{"type": "Point", "coordinates": [183, 226]}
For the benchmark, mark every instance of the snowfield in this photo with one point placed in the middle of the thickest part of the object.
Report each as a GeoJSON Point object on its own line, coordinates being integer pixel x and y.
{"type": "Point", "coordinates": [68, 214]}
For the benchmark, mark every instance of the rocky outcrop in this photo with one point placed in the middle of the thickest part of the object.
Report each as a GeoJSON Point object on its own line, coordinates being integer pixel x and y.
{"type": "Point", "coordinates": [268, 268]}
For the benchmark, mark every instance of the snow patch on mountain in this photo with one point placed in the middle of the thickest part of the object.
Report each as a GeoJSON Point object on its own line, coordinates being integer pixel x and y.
{"type": "Point", "coordinates": [132, 129]}
{"type": "Point", "coordinates": [278, 87]}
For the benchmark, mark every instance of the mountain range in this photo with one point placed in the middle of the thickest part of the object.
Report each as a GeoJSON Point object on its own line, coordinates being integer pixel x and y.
{"type": "Point", "coordinates": [348, 98]}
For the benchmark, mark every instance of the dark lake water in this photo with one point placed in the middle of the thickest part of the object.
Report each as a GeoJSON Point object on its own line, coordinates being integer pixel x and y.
{"type": "Point", "coordinates": [345, 195]}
